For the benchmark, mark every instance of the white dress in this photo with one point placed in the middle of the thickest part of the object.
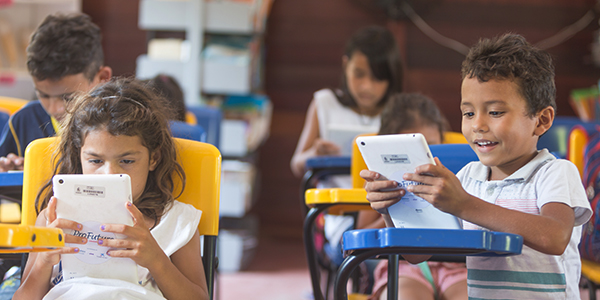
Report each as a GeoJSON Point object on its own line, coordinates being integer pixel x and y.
{"type": "Point", "coordinates": [175, 230]}
{"type": "Point", "coordinates": [340, 124]}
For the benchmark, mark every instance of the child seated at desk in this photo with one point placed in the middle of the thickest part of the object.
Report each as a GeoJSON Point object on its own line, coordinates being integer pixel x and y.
{"type": "Point", "coordinates": [64, 56]}
{"type": "Point", "coordinates": [415, 113]}
{"type": "Point", "coordinates": [508, 102]}
{"type": "Point", "coordinates": [121, 128]}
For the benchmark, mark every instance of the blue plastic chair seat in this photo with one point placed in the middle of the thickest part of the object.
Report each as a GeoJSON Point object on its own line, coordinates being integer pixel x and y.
{"type": "Point", "coordinates": [186, 131]}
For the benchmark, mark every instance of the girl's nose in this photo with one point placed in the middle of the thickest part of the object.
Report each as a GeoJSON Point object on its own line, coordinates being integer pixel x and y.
{"type": "Point", "coordinates": [111, 169]}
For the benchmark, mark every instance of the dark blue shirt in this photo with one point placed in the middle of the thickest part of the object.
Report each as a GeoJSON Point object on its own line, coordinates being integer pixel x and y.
{"type": "Point", "coordinates": [29, 123]}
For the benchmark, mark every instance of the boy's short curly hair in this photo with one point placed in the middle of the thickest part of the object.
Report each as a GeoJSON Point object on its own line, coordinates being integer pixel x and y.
{"type": "Point", "coordinates": [65, 45]}
{"type": "Point", "coordinates": [511, 57]}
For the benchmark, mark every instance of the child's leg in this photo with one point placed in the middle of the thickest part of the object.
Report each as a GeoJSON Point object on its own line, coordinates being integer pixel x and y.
{"type": "Point", "coordinates": [451, 280]}
{"type": "Point", "coordinates": [457, 291]}
{"type": "Point", "coordinates": [411, 282]}
{"type": "Point", "coordinates": [411, 289]}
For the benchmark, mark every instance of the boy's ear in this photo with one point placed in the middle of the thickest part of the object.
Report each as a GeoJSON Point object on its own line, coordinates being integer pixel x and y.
{"type": "Point", "coordinates": [154, 159]}
{"type": "Point", "coordinates": [104, 74]}
{"type": "Point", "coordinates": [544, 120]}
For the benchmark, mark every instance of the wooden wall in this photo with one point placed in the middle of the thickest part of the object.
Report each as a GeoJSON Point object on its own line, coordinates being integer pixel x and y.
{"type": "Point", "coordinates": [304, 42]}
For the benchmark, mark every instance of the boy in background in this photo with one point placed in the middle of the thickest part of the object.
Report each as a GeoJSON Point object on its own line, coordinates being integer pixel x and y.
{"type": "Point", "coordinates": [64, 57]}
{"type": "Point", "coordinates": [508, 102]}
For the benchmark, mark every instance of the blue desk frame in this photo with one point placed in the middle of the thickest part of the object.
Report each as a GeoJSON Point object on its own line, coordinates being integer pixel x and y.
{"type": "Point", "coordinates": [11, 183]}
{"type": "Point", "coordinates": [444, 244]}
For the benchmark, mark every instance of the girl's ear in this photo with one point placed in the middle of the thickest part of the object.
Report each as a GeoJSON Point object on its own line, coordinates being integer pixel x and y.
{"type": "Point", "coordinates": [154, 160]}
{"type": "Point", "coordinates": [345, 60]}
{"type": "Point", "coordinates": [544, 120]}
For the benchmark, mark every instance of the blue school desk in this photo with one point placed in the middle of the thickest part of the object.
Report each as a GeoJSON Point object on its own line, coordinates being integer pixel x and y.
{"type": "Point", "coordinates": [444, 244]}
{"type": "Point", "coordinates": [11, 182]}
{"type": "Point", "coordinates": [17, 238]}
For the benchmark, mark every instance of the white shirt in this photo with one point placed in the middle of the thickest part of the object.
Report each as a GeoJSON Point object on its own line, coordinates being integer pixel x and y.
{"type": "Point", "coordinates": [175, 229]}
{"type": "Point", "coordinates": [531, 275]}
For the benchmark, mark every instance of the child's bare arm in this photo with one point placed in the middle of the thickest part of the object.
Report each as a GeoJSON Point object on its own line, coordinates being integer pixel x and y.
{"type": "Point", "coordinates": [309, 144]}
{"type": "Point", "coordinates": [36, 275]}
{"type": "Point", "coordinates": [180, 276]}
{"type": "Point", "coordinates": [549, 232]}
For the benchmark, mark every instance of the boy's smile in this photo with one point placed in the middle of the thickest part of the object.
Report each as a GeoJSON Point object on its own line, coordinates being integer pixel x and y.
{"type": "Point", "coordinates": [497, 125]}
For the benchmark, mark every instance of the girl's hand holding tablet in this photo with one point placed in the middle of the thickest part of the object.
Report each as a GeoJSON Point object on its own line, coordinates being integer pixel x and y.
{"type": "Point", "coordinates": [139, 245]}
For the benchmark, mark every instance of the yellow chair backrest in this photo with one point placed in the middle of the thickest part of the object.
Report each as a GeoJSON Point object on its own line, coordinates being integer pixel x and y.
{"type": "Point", "coordinates": [358, 163]}
{"type": "Point", "coordinates": [190, 118]}
{"type": "Point", "coordinates": [200, 161]}
{"type": "Point", "coordinates": [11, 105]}
{"type": "Point", "coordinates": [578, 139]}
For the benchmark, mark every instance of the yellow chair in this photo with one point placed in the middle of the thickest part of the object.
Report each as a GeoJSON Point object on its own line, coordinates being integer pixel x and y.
{"type": "Point", "coordinates": [190, 118]}
{"type": "Point", "coordinates": [340, 201]}
{"type": "Point", "coordinates": [200, 161]}
{"type": "Point", "coordinates": [578, 139]}
{"type": "Point", "coordinates": [11, 105]}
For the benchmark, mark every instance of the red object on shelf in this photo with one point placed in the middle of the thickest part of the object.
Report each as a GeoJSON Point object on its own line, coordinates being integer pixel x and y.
{"type": "Point", "coordinates": [4, 3]}
{"type": "Point", "coordinates": [7, 78]}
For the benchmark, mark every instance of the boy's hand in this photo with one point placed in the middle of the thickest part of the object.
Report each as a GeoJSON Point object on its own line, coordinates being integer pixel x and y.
{"type": "Point", "coordinates": [440, 187]}
{"type": "Point", "coordinates": [324, 147]}
{"type": "Point", "coordinates": [11, 162]}
{"type": "Point", "coordinates": [378, 191]}
{"type": "Point", "coordinates": [139, 245]}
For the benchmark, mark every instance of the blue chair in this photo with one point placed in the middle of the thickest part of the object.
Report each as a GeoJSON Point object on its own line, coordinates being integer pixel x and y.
{"type": "Point", "coordinates": [3, 119]}
{"type": "Point", "coordinates": [186, 131]}
{"type": "Point", "coordinates": [210, 119]}
{"type": "Point", "coordinates": [555, 139]}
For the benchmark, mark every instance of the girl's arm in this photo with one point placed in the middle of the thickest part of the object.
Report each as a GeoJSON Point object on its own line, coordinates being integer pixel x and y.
{"type": "Point", "coordinates": [36, 276]}
{"type": "Point", "coordinates": [180, 276]}
{"type": "Point", "coordinates": [549, 232]}
{"type": "Point", "coordinates": [309, 144]}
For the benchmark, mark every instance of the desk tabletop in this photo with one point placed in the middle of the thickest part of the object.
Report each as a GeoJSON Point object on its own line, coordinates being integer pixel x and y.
{"type": "Point", "coordinates": [11, 179]}
{"type": "Point", "coordinates": [434, 241]}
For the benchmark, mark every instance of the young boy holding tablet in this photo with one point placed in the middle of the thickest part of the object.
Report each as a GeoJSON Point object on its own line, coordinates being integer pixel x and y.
{"type": "Point", "coordinates": [508, 102]}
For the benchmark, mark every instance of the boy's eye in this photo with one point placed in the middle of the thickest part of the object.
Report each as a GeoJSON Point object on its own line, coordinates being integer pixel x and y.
{"type": "Point", "coordinates": [127, 161]}
{"type": "Point", "coordinates": [468, 114]}
{"type": "Point", "coordinates": [68, 97]}
{"type": "Point", "coordinates": [496, 113]}
{"type": "Point", "coordinates": [359, 74]}
{"type": "Point", "coordinates": [95, 161]}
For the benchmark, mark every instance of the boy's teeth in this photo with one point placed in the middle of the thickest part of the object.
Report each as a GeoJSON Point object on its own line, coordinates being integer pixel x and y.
{"type": "Point", "coordinates": [484, 143]}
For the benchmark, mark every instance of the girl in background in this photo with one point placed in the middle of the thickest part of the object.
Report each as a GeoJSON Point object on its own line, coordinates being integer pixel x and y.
{"type": "Point", "coordinates": [372, 70]}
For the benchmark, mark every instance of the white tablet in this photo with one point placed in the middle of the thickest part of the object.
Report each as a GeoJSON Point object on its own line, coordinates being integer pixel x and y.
{"type": "Point", "coordinates": [392, 156]}
{"type": "Point", "coordinates": [93, 200]}
{"type": "Point", "coordinates": [344, 136]}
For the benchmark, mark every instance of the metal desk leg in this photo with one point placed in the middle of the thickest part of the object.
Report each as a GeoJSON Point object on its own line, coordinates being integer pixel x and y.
{"type": "Point", "coordinates": [350, 263]}
{"type": "Point", "coordinates": [393, 260]}
{"type": "Point", "coordinates": [309, 246]}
